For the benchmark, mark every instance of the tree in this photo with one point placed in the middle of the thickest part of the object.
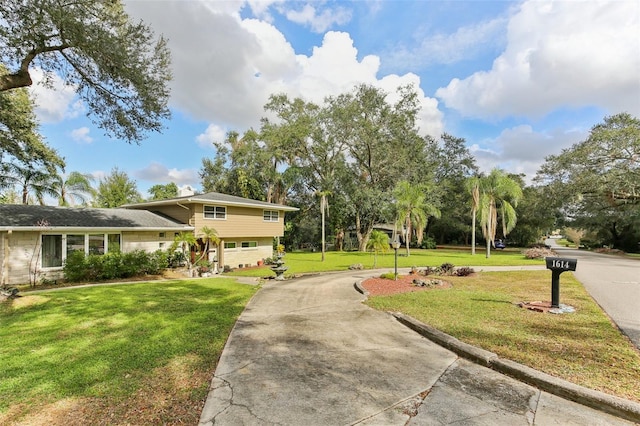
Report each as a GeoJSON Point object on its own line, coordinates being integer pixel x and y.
{"type": "Point", "coordinates": [184, 241]}
{"type": "Point", "coordinates": [116, 189]}
{"type": "Point", "coordinates": [597, 181]}
{"type": "Point", "coordinates": [498, 196]}
{"type": "Point", "coordinates": [19, 138]}
{"type": "Point", "coordinates": [208, 236]}
{"type": "Point", "coordinates": [162, 192]}
{"type": "Point", "coordinates": [413, 209]}
{"type": "Point", "coordinates": [378, 243]}
{"type": "Point", "coordinates": [381, 141]}
{"type": "Point", "coordinates": [116, 65]}
{"type": "Point", "coordinates": [76, 187]}
{"type": "Point", "coordinates": [473, 187]}
{"type": "Point", "coordinates": [30, 180]}
{"type": "Point", "coordinates": [454, 164]}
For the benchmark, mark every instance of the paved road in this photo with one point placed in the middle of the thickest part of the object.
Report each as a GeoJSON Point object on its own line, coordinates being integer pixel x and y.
{"type": "Point", "coordinates": [613, 282]}
{"type": "Point", "coordinates": [308, 352]}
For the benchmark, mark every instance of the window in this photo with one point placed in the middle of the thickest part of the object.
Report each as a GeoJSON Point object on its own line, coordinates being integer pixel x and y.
{"type": "Point", "coordinates": [96, 243]}
{"type": "Point", "coordinates": [75, 243]}
{"type": "Point", "coordinates": [56, 248]}
{"type": "Point", "coordinates": [113, 243]}
{"type": "Point", "coordinates": [229, 245]}
{"type": "Point", "coordinates": [215, 212]}
{"type": "Point", "coordinates": [161, 234]}
{"type": "Point", "coordinates": [270, 215]}
{"type": "Point", "coordinates": [51, 251]}
{"type": "Point", "coordinates": [249, 244]}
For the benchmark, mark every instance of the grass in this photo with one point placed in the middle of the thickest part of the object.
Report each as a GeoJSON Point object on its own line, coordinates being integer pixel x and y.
{"type": "Point", "coordinates": [582, 347]}
{"type": "Point", "coordinates": [142, 351]}
{"type": "Point", "coordinates": [306, 262]}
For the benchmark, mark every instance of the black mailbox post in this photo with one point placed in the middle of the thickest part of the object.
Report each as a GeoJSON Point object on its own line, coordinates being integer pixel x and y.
{"type": "Point", "coordinates": [558, 265]}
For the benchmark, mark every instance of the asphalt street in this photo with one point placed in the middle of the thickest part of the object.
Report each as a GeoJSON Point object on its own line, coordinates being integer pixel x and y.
{"type": "Point", "coordinates": [613, 282]}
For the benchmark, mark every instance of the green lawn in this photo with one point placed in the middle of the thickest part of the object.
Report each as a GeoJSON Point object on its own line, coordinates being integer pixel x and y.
{"type": "Point", "coordinates": [583, 347]}
{"type": "Point", "coordinates": [112, 343]}
{"type": "Point", "coordinates": [306, 262]}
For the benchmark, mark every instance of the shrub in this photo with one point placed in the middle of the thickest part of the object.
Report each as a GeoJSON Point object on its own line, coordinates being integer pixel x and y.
{"type": "Point", "coordinates": [74, 266]}
{"type": "Point", "coordinates": [114, 265]}
{"type": "Point", "coordinates": [446, 269]}
{"type": "Point", "coordinates": [463, 271]}
{"type": "Point", "coordinates": [539, 253]}
{"type": "Point", "coordinates": [388, 276]}
{"type": "Point", "coordinates": [428, 243]}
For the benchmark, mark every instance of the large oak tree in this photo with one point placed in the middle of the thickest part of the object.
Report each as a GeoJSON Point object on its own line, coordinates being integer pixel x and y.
{"type": "Point", "coordinates": [117, 66]}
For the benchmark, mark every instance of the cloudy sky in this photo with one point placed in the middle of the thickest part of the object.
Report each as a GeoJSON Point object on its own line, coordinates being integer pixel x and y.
{"type": "Point", "coordinates": [517, 80]}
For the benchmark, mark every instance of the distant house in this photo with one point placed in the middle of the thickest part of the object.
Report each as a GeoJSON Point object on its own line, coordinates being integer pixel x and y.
{"type": "Point", "coordinates": [38, 238]}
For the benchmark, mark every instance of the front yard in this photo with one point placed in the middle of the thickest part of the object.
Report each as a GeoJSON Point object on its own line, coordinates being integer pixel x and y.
{"type": "Point", "coordinates": [136, 353]}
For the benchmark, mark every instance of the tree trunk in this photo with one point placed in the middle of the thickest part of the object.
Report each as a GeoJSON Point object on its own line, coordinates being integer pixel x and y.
{"type": "Point", "coordinates": [322, 207]}
{"type": "Point", "coordinates": [488, 248]}
{"type": "Point", "coordinates": [473, 233]}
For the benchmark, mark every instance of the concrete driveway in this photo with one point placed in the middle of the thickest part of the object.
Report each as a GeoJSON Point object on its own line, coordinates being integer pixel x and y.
{"type": "Point", "coordinates": [308, 352]}
{"type": "Point", "coordinates": [613, 282]}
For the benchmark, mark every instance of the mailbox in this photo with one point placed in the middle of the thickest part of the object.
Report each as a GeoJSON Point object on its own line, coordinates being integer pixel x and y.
{"type": "Point", "coordinates": [561, 264]}
{"type": "Point", "coordinates": [558, 265]}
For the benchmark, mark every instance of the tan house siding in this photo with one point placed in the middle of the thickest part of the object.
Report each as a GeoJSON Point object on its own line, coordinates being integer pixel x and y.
{"type": "Point", "coordinates": [247, 256]}
{"type": "Point", "coordinates": [148, 241]}
{"type": "Point", "coordinates": [240, 222]}
{"type": "Point", "coordinates": [18, 247]}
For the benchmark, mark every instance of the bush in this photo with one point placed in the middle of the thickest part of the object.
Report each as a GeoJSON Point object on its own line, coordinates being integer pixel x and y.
{"type": "Point", "coordinates": [463, 271]}
{"type": "Point", "coordinates": [428, 243]}
{"type": "Point", "coordinates": [388, 276]}
{"type": "Point", "coordinates": [539, 253]}
{"type": "Point", "coordinates": [114, 265]}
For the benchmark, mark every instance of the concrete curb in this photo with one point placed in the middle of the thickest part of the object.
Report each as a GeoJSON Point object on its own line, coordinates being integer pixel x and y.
{"type": "Point", "coordinates": [620, 407]}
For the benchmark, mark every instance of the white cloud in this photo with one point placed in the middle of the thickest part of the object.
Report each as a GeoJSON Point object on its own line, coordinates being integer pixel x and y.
{"type": "Point", "coordinates": [213, 133]}
{"type": "Point", "coordinates": [319, 21]}
{"type": "Point", "coordinates": [464, 44]}
{"type": "Point", "coordinates": [81, 135]}
{"type": "Point", "coordinates": [559, 53]}
{"type": "Point", "coordinates": [156, 172]}
{"type": "Point", "coordinates": [55, 100]}
{"type": "Point", "coordinates": [521, 149]}
{"type": "Point", "coordinates": [225, 68]}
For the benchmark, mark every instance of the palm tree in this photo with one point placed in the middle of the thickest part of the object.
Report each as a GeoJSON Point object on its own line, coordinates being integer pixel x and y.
{"type": "Point", "coordinates": [324, 207]}
{"type": "Point", "coordinates": [378, 242]}
{"type": "Point", "coordinates": [209, 236]}
{"type": "Point", "coordinates": [499, 194]}
{"type": "Point", "coordinates": [473, 186]}
{"type": "Point", "coordinates": [184, 241]}
{"type": "Point", "coordinates": [30, 181]}
{"type": "Point", "coordinates": [76, 187]}
{"type": "Point", "coordinates": [413, 209]}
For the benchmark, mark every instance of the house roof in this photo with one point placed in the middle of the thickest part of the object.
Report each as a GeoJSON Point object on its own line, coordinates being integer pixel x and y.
{"type": "Point", "coordinates": [33, 217]}
{"type": "Point", "coordinates": [214, 198]}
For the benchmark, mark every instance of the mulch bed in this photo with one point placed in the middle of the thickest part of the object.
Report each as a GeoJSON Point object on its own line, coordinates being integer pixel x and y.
{"type": "Point", "coordinates": [382, 286]}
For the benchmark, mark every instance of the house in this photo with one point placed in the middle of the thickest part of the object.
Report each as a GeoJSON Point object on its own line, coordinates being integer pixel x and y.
{"type": "Point", "coordinates": [35, 240]}
{"type": "Point", "coordinates": [246, 228]}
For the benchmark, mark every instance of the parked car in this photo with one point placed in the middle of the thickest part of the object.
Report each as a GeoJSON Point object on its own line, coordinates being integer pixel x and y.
{"type": "Point", "coordinates": [499, 244]}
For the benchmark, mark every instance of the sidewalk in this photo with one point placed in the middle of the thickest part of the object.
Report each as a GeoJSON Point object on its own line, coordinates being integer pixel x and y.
{"type": "Point", "coordinates": [308, 352]}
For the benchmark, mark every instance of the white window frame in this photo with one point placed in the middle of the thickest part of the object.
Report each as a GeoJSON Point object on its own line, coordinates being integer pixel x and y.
{"type": "Point", "coordinates": [249, 247]}
{"type": "Point", "coordinates": [217, 215]}
{"type": "Point", "coordinates": [64, 248]}
{"type": "Point", "coordinates": [268, 215]}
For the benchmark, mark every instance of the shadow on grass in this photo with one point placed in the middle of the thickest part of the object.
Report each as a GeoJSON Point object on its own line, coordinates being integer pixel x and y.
{"type": "Point", "coordinates": [102, 341]}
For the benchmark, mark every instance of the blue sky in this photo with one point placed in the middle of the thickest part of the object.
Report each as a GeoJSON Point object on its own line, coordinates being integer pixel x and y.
{"type": "Point", "coordinates": [517, 80]}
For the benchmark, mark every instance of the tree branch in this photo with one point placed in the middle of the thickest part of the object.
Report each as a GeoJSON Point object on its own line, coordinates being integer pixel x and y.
{"type": "Point", "coordinates": [22, 78]}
